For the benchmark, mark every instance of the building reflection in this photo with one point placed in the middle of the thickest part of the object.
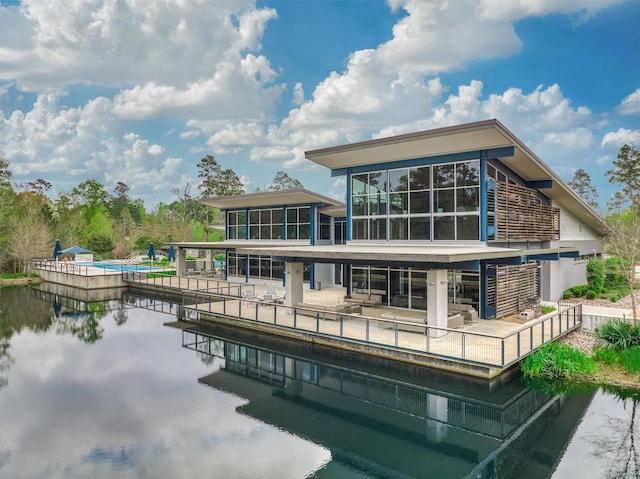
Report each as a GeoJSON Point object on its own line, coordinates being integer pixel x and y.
{"type": "Point", "coordinates": [392, 421]}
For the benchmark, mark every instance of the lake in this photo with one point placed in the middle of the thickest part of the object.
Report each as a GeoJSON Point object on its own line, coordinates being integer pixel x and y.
{"type": "Point", "coordinates": [103, 385]}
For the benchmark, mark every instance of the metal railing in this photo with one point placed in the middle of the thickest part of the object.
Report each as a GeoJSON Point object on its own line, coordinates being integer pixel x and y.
{"type": "Point", "coordinates": [194, 284]}
{"type": "Point", "coordinates": [458, 344]}
{"type": "Point", "coordinates": [79, 269]}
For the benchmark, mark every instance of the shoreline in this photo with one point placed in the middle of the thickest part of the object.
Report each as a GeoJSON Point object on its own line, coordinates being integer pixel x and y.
{"type": "Point", "coordinates": [19, 281]}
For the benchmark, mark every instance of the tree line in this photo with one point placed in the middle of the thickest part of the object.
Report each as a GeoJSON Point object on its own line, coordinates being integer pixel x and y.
{"type": "Point", "coordinates": [111, 224]}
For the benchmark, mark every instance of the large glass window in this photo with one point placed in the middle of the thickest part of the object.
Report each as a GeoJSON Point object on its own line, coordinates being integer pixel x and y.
{"type": "Point", "coordinates": [265, 224]}
{"type": "Point", "coordinates": [439, 203]}
{"type": "Point", "coordinates": [299, 223]}
{"type": "Point", "coordinates": [324, 227]}
{"type": "Point", "coordinates": [237, 225]}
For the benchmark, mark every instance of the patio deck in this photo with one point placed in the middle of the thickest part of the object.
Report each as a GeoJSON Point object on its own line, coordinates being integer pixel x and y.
{"type": "Point", "coordinates": [485, 348]}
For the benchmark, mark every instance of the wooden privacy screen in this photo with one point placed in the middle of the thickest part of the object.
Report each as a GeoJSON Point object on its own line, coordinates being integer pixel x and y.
{"type": "Point", "coordinates": [513, 288]}
{"type": "Point", "coordinates": [521, 216]}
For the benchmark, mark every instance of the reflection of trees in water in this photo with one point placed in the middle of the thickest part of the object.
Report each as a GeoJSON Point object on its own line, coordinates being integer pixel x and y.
{"type": "Point", "coordinates": [622, 453]}
{"type": "Point", "coordinates": [5, 360]}
{"type": "Point", "coordinates": [18, 310]}
{"type": "Point", "coordinates": [84, 326]}
{"type": "Point", "coordinates": [121, 314]}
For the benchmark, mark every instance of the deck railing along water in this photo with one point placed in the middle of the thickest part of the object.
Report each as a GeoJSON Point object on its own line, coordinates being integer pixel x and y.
{"type": "Point", "coordinates": [215, 299]}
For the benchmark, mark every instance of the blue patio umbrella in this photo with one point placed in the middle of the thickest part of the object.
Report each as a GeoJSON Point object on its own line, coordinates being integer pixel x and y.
{"type": "Point", "coordinates": [57, 250]}
{"type": "Point", "coordinates": [172, 253]}
{"type": "Point", "coordinates": [151, 253]}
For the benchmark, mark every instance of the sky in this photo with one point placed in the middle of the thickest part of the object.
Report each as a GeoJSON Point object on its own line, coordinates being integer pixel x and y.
{"type": "Point", "coordinates": [139, 91]}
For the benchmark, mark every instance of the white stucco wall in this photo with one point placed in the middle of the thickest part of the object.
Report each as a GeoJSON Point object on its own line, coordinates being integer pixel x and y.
{"type": "Point", "coordinates": [324, 273]}
{"type": "Point", "coordinates": [557, 276]}
{"type": "Point", "coordinates": [571, 228]}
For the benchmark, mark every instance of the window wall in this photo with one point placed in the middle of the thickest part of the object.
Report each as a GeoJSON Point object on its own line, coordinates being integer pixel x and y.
{"type": "Point", "coordinates": [299, 223]}
{"type": "Point", "coordinates": [407, 287]}
{"type": "Point", "coordinates": [262, 267]}
{"type": "Point", "coordinates": [237, 225]}
{"type": "Point", "coordinates": [269, 223]}
{"type": "Point", "coordinates": [430, 203]}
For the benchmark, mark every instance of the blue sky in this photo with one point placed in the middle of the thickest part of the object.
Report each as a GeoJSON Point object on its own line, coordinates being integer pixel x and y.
{"type": "Point", "coordinates": [140, 91]}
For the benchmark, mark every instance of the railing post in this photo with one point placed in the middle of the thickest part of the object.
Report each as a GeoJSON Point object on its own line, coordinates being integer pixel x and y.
{"type": "Point", "coordinates": [341, 325]}
{"type": "Point", "coordinates": [518, 347]}
{"type": "Point", "coordinates": [366, 329]}
{"type": "Point", "coordinates": [531, 337]}
{"type": "Point", "coordinates": [464, 336]}
{"type": "Point", "coordinates": [502, 352]}
{"type": "Point", "coordinates": [275, 314]}
{"type": "Point", "coordinates": [395, 330]}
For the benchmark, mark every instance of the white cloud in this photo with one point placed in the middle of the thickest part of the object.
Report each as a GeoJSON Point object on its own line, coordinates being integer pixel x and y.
{"type": "Point", "coordinates": [298, 94]}
{"type": "Point", "coordinates": [513, 10]}
{"type": "Point", "coordinates": [115, 43]}
{"type": "Point", "coordinates": [616, 139]}
{"type": "Point", "coordinates": [74, 144]}
{"type": "Point", "coordinates": [630, 105]}
{"type": "Point", "coordinates": [187, 135]}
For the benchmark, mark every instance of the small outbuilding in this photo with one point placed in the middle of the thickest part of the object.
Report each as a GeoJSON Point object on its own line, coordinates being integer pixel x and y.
{"type": "Point", "coordinates": [76, 253]}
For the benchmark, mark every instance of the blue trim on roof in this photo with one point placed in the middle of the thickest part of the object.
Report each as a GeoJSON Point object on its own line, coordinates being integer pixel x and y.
{"type": "Point", "coordinates": [347, 232]}
{"type": "Point", "coordinates": [504, 151]}
{"type": "Point", "coordinates": [537, 184]}
{"type": "Point", "coordinates": [483, 201]}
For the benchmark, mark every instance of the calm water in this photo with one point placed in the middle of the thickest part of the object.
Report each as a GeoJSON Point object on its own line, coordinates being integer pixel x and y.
{"type": "Point", "coordinates": [98, 386]}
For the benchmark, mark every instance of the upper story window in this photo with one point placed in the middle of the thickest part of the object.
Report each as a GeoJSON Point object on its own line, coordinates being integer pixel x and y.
{"type": "Point", "coordinates": [324, 227]}
{"type": "Point", "coordinates": [299, 223]}
{"type": "Point", "coordinates": [266, 224]}
{"type": "Point", "coordinates": [237, 225]}
{"type": "Point", "coordinates": [439, 202]}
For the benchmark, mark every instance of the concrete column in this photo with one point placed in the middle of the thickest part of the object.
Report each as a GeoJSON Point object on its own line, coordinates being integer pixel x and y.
{"type": "Point", "coordinates": [437, 300]}
{"type": "Point", "coordinates": [181, 261]}
{"type": "Point", "coordinates": [292, 371]}
{"type": "Point", "coordinates": [208, 261]}
{"type": "Point", "coordinates": [294, 284]}
{"type": "Point", "coordinates": [438, 413]}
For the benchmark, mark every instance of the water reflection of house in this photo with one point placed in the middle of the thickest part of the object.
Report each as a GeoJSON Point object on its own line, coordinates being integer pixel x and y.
{"type": "Point", "coordinates": [437, 426]}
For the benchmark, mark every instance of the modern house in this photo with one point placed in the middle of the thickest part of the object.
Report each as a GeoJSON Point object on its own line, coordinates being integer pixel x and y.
{"type": "Point", "coordinates": [458, 217]}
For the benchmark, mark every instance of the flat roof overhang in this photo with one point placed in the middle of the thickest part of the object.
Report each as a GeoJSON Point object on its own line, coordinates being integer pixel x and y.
{"type": "Point", "coordinates": [235, 244]}
{"type": "Point", "coordinates": [454, 256]}
{"type": "Point", "coordinates": [295, 196]}
{"type": "Point", "coordinates": [488, 137]}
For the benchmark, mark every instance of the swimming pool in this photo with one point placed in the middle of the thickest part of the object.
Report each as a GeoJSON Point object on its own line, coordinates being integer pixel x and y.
{"type": "Point", "coordinates": [119, 266]}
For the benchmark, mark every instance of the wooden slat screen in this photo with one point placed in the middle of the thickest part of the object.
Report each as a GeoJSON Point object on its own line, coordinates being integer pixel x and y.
{"type": "Point", "coordinates": [514, 288]}
{"type": "Point", "coordinates": [521, 216]}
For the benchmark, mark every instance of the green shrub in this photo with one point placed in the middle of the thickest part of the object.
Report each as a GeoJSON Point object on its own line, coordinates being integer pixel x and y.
{"type": "Point", "coordinates": [591, 294]}
{"type": "Point", "coordinates": [596, 274]}
{"type": "Point", "coordinates": [615, 276]}
{"type": "Point", "coordinates": [630, 359]}
{"type": "Point", "coordinates": [580, 290]}
{"type": "Point", "coordinates": [547, 309]}
{"type": "Point", "coordinates": [606, 355]}
{"type": "Point", "coordinates": [558, 361]}
{"type": "Point", "coordinates": [613, 298]}
{"type": "Point", "coordinates": [619, 334]}
{"type": "Point", "coordinates": [568, 294]}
